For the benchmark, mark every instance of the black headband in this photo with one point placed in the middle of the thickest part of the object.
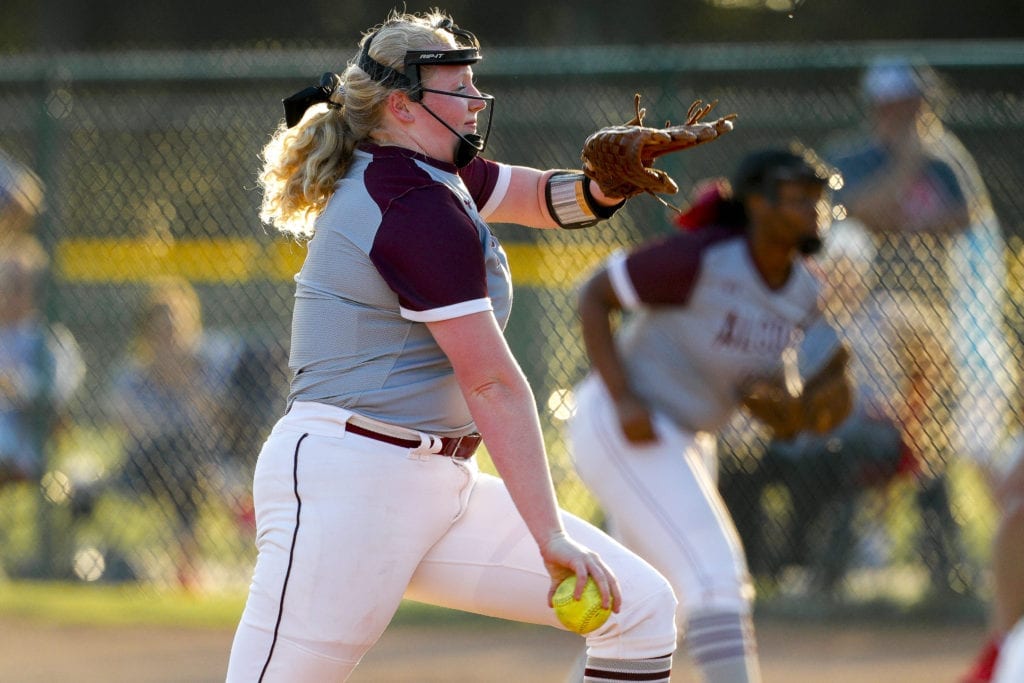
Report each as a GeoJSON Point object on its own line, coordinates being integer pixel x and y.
{"type": "Point", "coordinates": [410, 80]}
{"type": "Point", "coordinates": [295, 106]}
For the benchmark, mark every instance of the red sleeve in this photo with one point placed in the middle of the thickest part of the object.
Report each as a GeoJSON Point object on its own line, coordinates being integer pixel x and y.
{"type": "Point", "coordinates": [480, 176]}
{"type": "Point", "coordinates": [429, 252]}
{"type": "Point", "coordinates": [665, 271]}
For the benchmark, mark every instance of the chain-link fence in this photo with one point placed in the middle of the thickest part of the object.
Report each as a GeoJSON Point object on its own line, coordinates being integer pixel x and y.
{"type": "Point", "coordinates": [179, 301]}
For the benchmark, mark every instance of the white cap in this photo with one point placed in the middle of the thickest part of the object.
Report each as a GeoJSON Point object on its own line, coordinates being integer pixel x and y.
{"type": "Point", "coordinates": [892, 79]}
{"type": "Point", "coordinates": [19, 185]}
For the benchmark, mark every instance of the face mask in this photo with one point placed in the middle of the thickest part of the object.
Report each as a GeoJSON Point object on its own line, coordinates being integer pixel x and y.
{"type": "Point", "coordinates": [469, 145]}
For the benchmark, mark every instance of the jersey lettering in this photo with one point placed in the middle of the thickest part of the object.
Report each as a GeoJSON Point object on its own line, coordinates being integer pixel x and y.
{"type": "Point", "coordinates": [764, 336]}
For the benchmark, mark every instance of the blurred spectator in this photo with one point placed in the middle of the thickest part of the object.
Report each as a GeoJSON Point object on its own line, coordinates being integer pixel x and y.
{"type": "Point", "coordinates": [21, 198]}
{"type": "Point", "coordinates": [165, 401]}
{"type": "Point", "coordinates": [40, 362]}
{"type": "Point", "coordinates": [939, 248]}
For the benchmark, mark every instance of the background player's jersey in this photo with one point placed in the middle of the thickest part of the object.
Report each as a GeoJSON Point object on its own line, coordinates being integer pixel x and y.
{"type": "Point", "coordinates": [704, 324]}
{"type": "Point", "coordinates": [378, 269]}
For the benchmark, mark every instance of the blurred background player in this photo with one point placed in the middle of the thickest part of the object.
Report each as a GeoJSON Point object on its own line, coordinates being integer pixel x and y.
{"type": "Point", "coordinates": [1010, 667]}
{"type": "Point", "coordinates": [1003, 652]}
{"type": "Point", "coordinates": [710, 314]}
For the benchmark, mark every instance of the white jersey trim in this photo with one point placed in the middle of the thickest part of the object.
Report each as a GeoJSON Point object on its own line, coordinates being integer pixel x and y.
{"type": "Point", "coordinates": [448, 312]}
{"type": "Point", "coordinates": [621, 284]}
{"type": "Point", "coordinates": [499, 191]}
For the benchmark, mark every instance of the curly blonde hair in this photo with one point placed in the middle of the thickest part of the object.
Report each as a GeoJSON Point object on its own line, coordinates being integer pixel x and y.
{"type": "Point", "coordinates": [301, 165]}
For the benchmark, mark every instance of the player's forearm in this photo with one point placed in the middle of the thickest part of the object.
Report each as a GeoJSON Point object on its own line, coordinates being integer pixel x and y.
{"type": "Point", "coordinates": [505, 414]}
{"type": "Point", "coordinates": [525, 201]}
{"type": "Point", "coordinates": [598, 338]}
{"type": "Point", "coordinates": [502, 405]}
{"type": "Point", "coordinates": [532, 200]}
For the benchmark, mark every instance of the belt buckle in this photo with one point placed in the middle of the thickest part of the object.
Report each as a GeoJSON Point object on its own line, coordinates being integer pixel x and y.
{"type": "Point", "coordinates": [471, 440]}
{"type": "Point", "coordinates": [452, 447]}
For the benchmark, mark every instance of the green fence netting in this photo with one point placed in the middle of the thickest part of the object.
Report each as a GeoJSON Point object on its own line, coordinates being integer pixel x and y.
{"type": "Point", "coordinates": [148, 161]}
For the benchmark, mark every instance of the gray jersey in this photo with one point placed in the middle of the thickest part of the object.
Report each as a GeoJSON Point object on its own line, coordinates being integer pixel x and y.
{"type": "Point", "coordinates": [401, 243]}
{"type": "Point", "coordinates": [703, 324]}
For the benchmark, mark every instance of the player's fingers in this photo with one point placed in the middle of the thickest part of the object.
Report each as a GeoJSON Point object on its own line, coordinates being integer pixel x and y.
{"type": "Point", "coordinates": [581, 583]}
{"type": "Point", "coordinates": [551, 591]}
{"type": "Point", "coordinates": [614, 595]}
{"type": "Point", "coordinates": [607, 585]}
{"type": "Point", "coordinates": [558, 574]}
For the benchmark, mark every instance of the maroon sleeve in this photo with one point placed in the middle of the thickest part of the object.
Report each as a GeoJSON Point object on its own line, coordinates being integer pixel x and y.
{"type": "Point", "coordinates": [429, 252]}
{"type": "Point", "coordinates": [480, 177]}
{"type": "Point", "coordinates": [665, 270]}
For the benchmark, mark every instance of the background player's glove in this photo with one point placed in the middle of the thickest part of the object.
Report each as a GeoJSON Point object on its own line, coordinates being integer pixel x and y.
{"type": "Point", "coordinates": [818, 404]}
{"type": "Point", "coordinates": [827, 398]}
{"type": "Point", "coordinates": [771, 404]}
{"type": "Point", "coordinates": [619, 158]}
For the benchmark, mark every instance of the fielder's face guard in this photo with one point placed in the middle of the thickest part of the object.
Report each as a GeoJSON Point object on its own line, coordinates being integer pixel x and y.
{"type": "Point", "coordinates": [808, 174]}
{"type": "Point", "coordinates": [468, 53]}
{"type": "Point", "coordinates": [764, 171]}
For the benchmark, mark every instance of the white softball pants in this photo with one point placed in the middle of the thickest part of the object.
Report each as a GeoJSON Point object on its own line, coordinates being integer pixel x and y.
{"type": "Point", "coordinates": [1010, 664]}
{"type": "Point", "coordinates": [662, 501]}
{"type": "Point", "coordinates": [346, 526]}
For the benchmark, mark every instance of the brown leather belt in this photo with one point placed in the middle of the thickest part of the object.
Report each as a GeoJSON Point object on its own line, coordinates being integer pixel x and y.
{"type": "Point", "coordinates": [458, 447]}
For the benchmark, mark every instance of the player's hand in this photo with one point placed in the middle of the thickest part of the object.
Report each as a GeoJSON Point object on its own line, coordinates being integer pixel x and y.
{"type": "Point", "coordinates": [771, 403]}
{"type": "Point", "coordinates": [635, 420]}
{"type": "Point", "coordinates": [564, 557]}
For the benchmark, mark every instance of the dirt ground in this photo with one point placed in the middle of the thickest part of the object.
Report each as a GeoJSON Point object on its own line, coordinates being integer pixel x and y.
{"type": "Point", "coordinates": [792, 652]}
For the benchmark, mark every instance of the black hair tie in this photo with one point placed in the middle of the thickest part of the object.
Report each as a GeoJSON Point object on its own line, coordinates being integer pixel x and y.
{"type": "Point", "coordinates": [295, 106]}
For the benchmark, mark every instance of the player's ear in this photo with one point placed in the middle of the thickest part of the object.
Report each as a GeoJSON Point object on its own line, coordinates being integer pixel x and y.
{"type": "Point", "coordinates": [399, 106]}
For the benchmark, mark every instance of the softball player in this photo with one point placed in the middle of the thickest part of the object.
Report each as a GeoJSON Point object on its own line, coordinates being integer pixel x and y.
{"type": "Point", "coordinates": [1003, 651]}
{"type": "Point", "coordinates": [709, 313]}
{"type": "Point", "coordinates": [1010, 666]}
{"type": "Point", "coordinates": [366, 491]}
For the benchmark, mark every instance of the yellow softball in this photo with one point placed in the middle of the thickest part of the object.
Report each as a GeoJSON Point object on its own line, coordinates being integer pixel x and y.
{"type": "Point", "coordinates": [583, 615]}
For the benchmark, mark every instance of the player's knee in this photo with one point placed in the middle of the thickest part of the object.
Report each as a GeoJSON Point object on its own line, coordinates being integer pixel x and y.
{"type": "Point", "coordinates": [647, 622]}
{"type": "Point", "coordinates": [734, 597]}
{"type": "Point", "coordinates": [663, 604]}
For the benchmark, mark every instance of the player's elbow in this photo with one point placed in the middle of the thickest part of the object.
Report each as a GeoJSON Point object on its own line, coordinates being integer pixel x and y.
{"type": "Point", "coordinates": [497, 386]}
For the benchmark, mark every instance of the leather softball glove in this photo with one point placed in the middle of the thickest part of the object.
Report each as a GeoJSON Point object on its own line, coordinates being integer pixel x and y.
{"type": "Point", "coordinates": [821, 404]}
{"type": "Point", "coordinates": [620, 158]}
